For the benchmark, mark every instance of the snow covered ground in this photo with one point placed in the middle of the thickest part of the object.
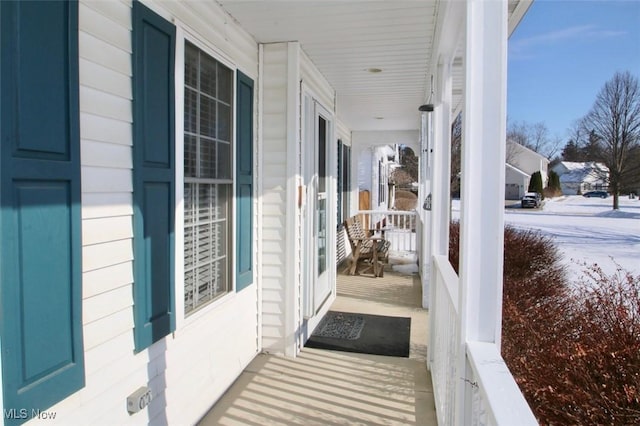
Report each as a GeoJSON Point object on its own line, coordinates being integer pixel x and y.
{"type": "Point", "coordinates": [586, 230]}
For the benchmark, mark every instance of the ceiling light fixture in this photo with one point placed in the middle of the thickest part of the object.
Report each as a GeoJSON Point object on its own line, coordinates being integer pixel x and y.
{"type": "Point", "coordinates": [374, 70]}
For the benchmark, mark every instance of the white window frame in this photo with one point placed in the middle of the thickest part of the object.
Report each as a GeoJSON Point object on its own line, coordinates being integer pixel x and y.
{"type": "Point", "coordinates": [183, 35]}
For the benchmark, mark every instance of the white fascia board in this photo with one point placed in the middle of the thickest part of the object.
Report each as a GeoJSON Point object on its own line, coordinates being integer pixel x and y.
{"type": "Point", "coordinates": [517, 170]}
{"type": "Point", "coordinates": [409, 138]}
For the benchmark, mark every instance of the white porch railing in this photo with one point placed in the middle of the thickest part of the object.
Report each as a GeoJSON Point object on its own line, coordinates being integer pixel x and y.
{"type": "Point", "coordinates": [399, 227]}
{"type": "Point", "coordinates": [443, 346]}
{"type": "Point", "coordinates": [492, 396]}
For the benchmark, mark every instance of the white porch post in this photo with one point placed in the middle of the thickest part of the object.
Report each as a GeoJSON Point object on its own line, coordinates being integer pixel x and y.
{"type": "Point", "coordinates": [440, 179]}
{"type": "Point", "coordinates": [482, 185]}
{"type": "Point", "coordinates": [441, 163]}
{"type": "Point", "coordinates": [424, 189]}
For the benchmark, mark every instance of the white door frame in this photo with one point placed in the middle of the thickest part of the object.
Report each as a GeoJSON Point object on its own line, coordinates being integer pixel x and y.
{"type": "Point", "coordinates": [316, 290]}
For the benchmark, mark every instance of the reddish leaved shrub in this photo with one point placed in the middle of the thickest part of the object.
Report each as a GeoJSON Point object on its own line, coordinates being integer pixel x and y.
{"type": "Point", "coordinates": [573, 348]}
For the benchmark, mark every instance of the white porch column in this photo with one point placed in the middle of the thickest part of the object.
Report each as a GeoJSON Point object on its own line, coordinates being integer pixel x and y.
{"type": "Point", "coordinates": [440, 214]}
{"type": "Point", "coordinates": [424, 189]}
{"type": "Point", "coordinates": [441, 154]}
{"type": "Point", "coordinates": [482, 185]}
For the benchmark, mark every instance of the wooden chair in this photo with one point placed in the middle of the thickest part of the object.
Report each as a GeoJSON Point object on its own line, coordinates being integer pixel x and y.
{"type": "Point", "coordinates": [372, 251]}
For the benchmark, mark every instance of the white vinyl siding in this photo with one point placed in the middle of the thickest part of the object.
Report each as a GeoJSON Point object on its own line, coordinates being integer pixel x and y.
{"type": "Point", "coordinates": [190, 369]}
{"type": "Point", "coordinates": [282, 232]}
{"type": "Point", "coordinates": [106, 140]}
{"type": "Point", "coordinates": [274, 198]}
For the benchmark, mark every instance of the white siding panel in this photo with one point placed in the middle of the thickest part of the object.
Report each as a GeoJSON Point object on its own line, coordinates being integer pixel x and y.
{"type": "Point", "coordinates": [272, 169]}
{"type": "Point", "coordinates": [274, 259]}
{"type": "Point", "coordinates": [106, 205]}
{"type": "Point", "coordinates": [102, 154]}
{"type": "Point", "coordinates": [276, 277]}
{"type": "Point", "coordinates": [274, 197]}
{"type": "Point", "coordinates": [121, 379]}
{"type": "Point", "coordinates": [274, 221]}
{"type": "Point", "coordinates": [102, 179]}
{"type": "Point", "coordinates": [107, 328]}
{"type": "Point", "coordinates": [102, 305]}
{"type": "Point", "coordinates": [97, 128]}
{"type": "Point", "coordinates": [343, 132]}
{"type": "Point", "coordinates": [99, 256]}
{"type": "Point", "coordinates": [273, 234]}
{"type": "Point", "coordinates": [275, 319]}
{"type": "Point", "coordinates": [102, 230]}
{"type": "Point", "coordinates": [275, 158]}
{"type": "Point", "coordinates": [230, 334]}
{"type": "Point", "coordinates": [273, 246]}
{"type": "Point", "coordinates": [101, 103]}
{"type": "Point", "coordinates": [102, 27]}
{"type": "Point", "coordinates": [95, 50]}
{"type": "Point", "coordinates": [106, 279]}
{"type": "Point", "coordinates": [272, 297]}
{"type": "Point", "coordinates": [275, 308]}
{"type": "Point", "coordinates": [109, 352]}
{"type": "Point", "coordinates": [99, 77]}
{"type": "Point", "coordinates": [191, 368]}
{"type": "Point", "coordinates": [117, 11]}
{"type": "Point", "coordinates": [209, 23]}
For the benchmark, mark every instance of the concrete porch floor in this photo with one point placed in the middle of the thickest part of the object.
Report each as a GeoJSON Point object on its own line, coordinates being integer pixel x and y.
{"type": "Point", "coordinates": [323, 387]}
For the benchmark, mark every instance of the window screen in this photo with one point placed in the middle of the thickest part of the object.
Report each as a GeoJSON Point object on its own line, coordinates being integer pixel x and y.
{"type": "Point", "coordinates": [207, 177]}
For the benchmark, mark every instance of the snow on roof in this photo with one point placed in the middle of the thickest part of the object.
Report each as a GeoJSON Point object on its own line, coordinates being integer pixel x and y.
{"type": "Point", "coordinates": [584, 172]}
{"type": "Point", "coordinates": [572, 165]}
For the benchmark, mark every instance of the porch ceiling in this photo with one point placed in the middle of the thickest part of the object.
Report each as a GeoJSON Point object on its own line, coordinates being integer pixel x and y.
{"type": "Point", "coordinates": [347, 39]}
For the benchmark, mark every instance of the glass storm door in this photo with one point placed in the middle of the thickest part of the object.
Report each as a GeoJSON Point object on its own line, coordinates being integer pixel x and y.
{"type": "Point", "coordinates": [322, 289]}
{"type": "Point", "coordinates": [317, 128]}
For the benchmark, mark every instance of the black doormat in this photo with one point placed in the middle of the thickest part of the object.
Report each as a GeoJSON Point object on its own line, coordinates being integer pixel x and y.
{"type": "Point", "coordinates": [362, 333]}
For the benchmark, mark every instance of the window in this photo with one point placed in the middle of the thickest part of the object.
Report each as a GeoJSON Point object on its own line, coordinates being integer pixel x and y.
{"type": "Point", "coordinates": [344, 182]}
{"type": "Point", "coordinates": [208, 178]}
{"type": "Point", "coordinates": [381, 183]}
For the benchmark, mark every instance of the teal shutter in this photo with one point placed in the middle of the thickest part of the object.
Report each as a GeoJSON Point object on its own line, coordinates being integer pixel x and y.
{"type": "Point", "coordinates": [153, 175]}
{"type": "Point", "coordinates": [244, 182]}
{"type": "Point", "coordinates": [40, 219]}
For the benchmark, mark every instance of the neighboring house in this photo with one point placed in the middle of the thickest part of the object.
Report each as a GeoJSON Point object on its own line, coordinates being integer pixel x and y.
{"type": "Point", "coordinates": [579, 177]}
{"type": "Point", "coordinates": [169, 192]}
{"type": "Point", "coordinates": [373, 167]}
{"type": "Point", "coordinates": [522, 162]}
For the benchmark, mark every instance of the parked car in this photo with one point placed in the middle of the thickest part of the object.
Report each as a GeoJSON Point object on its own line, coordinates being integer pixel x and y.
{"type": "Point", "coordinates": [597, 194]}
{"type": "Point", "coordinates": [531, 199]}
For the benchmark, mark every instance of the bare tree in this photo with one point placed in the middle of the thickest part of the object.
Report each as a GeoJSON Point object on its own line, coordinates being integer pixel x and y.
{"type": "Point", "coordinates": [404, 176]}
{"type": "Point", "coordinates": [578, 133]}
{"type": "Point", "coordinates": [614, 124]}
{"type": "Point", "coordinates": [534, 136]}
{"type": "Point", "coordinates": [513, 152]}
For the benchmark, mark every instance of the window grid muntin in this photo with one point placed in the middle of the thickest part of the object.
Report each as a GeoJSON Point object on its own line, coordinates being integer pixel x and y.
{"type": "Point", "coordinates": [198, 134]}
{"type": "Point", "coordinates": [207, 222]}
